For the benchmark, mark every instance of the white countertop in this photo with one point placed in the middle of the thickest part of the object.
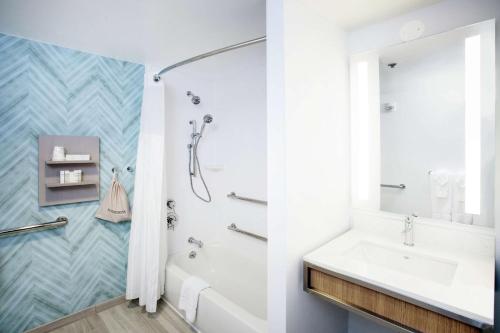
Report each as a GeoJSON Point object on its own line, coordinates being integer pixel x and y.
{"type": "Point", "coordinates": [469, 293]}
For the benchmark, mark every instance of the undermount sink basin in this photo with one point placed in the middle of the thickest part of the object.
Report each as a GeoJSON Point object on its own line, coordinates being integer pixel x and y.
{"type": "Point", "coordinates": [417, 265]}
{"type": "Point", "coordinates": [449, 268]}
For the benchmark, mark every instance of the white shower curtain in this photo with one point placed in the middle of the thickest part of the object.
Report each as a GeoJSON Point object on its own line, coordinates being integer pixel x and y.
{"type": "Point", "coordinates": [148, 240]}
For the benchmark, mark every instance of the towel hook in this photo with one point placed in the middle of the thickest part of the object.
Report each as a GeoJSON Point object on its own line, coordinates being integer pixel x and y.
{"type": "Point", "coordinates": [116, 170]}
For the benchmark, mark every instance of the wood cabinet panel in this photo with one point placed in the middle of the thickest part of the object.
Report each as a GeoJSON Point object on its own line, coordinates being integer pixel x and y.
{"type": "Point", "coordinates": [384, 306]}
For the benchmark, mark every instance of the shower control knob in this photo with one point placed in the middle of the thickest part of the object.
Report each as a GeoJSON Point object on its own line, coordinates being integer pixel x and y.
{"type": "Point", "coordinates": [171, 204]}
{"type": "Point", "coordinates": [171, 221]}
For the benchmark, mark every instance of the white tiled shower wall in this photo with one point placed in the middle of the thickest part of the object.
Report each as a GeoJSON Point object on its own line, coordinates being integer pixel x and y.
{"type": "Point", "coordinates": [232, 152]}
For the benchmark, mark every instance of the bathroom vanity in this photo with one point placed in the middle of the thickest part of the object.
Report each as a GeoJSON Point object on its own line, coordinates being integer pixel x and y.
{"type": "Point", "coordinates": [443, 283]}
{"type": "Point", "coordinates": [423, 134]}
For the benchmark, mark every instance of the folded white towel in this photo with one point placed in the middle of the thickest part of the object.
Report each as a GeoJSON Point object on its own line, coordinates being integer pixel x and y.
{"type": "Point", "coordinates": [458, 205]}
{"type": "Point", "coordinates": [190, 291]}
{"type": "Point", "coordinates": [440, 184]}
{"type": "Point", "coordinates": [459, 188]}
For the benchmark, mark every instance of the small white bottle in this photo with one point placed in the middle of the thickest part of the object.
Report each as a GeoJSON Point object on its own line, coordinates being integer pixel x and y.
{"type": "Point", "coordinates": [77, 176]}
{"type": "Point", "coordinates": [58, 153]}
{"type": "Point", "coordinates": [61, 177]}
{"type": "Point", "coordinates": [67, 176]}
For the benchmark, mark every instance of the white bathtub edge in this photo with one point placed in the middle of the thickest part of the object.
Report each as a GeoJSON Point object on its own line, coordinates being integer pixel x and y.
{"type": "Point", "coordinates": [164, 299]}
{"type": "Point", "coordinates": [216, 312]}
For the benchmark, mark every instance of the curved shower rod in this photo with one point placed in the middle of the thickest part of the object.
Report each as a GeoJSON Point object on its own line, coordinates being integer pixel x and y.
{"type": "Point", "coordinates": [157, 76]}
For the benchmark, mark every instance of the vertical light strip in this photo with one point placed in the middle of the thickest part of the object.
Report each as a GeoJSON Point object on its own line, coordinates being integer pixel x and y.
{"type": "Point", "coordinates": [363, 134]}
{"type": "Point", "coordinates": [473, 124]}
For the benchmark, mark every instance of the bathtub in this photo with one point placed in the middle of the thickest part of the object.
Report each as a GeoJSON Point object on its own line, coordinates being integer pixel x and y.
{"type": "Point", "coordinates": [236, 300]}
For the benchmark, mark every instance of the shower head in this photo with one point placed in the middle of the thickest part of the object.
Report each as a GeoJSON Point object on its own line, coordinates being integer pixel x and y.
{"type": "Point", "coordinates": [194, 99]}
{"type": "Point", "coordinates": [207, 119]}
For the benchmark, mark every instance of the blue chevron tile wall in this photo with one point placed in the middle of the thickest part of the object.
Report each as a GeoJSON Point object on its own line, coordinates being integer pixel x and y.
{"type": "Point", "coordinates": [46, 89]}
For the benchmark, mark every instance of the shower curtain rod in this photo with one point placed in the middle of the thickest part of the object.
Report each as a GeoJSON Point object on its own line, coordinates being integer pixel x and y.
{"type": "Point", "coordinates": [157, 76]}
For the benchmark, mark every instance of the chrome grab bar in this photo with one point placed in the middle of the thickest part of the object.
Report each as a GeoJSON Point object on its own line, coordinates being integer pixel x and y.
{"type": "Point", "coordinates": [400, 186]}
{"type": "Point", "coordinates": [59, 222]}
{"type": "Point", "coordinates": [233, 227]}
{"type": "Point", "coordinates": [233, 195]}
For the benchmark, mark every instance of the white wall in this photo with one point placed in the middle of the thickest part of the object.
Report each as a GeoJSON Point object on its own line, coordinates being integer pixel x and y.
{"type": "Point", "coordinates": [359, 324]}
{"type": "Point", "coordinates": [232, 87]}
{"type": "Point", "coordinates": [458, 13]}
{"type": "Point", "coordinates": [308, 129]}
{"type": "Point", "coordinates": [152, 31]}
{"type": "Point", "coordinates": [277, 170]}
{"type": "Point", "coordinates": [441, 17]}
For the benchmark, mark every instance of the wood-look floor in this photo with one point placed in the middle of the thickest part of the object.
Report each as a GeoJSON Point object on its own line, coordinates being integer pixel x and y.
{"type": "Point", "coordinates": [129, 317]}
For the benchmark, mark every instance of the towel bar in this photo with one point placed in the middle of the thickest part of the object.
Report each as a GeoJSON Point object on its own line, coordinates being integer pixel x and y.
{"type": "Point", "coordinates": [59, 222]}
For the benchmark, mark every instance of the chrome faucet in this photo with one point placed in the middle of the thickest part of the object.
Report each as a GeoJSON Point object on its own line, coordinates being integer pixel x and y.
{"type": "Point", "coordinates": [192, 240]}
{"type": "Point", "coordinates": [408, 230]}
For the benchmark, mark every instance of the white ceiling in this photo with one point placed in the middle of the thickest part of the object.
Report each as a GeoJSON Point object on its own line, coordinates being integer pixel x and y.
{"type": "Point", "coordinates": [162, 32]}
{"type": "Point", "coordinates": [418, 49]}
{"type": "Point", "coordinates": [144, 31]}
{"type": "Point", "coordinates": [352, 14]}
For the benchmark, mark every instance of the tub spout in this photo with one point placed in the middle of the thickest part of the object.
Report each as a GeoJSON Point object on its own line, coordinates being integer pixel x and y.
{"type": "Point", "coordinates": [192, 240]}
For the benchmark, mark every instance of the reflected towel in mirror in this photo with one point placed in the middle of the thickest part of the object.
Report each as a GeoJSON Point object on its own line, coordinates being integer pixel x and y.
{"type": "Point", "coordinates": [458, 202]}
{"type": "Point", "coordinates": [440, 195]}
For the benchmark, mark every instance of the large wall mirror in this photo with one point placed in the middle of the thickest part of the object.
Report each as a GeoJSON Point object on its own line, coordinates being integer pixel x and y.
{"type": "Point", "coordinates": [423, 126]}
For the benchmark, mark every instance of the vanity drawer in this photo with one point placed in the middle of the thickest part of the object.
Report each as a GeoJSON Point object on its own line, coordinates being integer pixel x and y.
{"type": "Point", "coordinates": [394, 311]}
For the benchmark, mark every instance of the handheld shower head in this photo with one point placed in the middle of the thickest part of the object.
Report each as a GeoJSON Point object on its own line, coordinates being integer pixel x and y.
{"type": "Point", "coordinates": [208, 118]}
{"type": "Point", "coordinates": [194, 163]}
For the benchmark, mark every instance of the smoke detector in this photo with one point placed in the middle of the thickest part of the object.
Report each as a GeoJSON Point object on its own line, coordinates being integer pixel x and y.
{"type": "Point", "coordinates": [412, 30]}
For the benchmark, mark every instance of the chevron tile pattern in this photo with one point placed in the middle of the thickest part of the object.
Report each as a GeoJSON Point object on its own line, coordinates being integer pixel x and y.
{"type": "Point", "coordinates": [46, 89]}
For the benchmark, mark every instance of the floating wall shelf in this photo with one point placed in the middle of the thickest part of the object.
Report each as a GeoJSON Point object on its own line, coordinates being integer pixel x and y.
{"type": "Point", "coordinates": [50, 190]}
{"type": "Point", "coordinates": [56, 185]}
{"type": "Point", "coordinates": [69, 162]}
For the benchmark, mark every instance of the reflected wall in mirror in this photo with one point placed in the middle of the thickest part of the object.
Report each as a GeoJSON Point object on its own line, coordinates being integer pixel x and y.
{"type": "Point", "coordinates": [431, 110]}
